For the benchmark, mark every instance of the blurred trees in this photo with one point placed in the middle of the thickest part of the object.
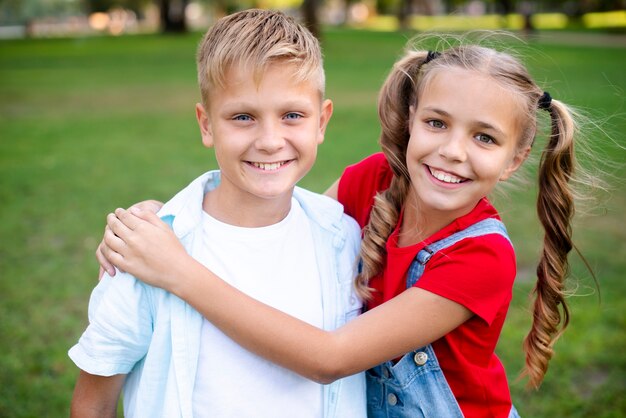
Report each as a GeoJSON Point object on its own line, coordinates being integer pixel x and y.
{"type": "Point", "coordinates": [172, 12]}
{"type": "Point", "coordinates": [310, 16]}
{"type": "Point", "coordinates": [172, 15]}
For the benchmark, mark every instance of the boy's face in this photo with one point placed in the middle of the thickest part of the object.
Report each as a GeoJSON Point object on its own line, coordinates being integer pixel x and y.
{"type": "Point", "coordinates": [265, 133]}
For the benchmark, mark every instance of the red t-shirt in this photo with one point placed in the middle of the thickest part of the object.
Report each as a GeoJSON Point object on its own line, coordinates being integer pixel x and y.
{"type": "Point", "coordinates": [477, 273]}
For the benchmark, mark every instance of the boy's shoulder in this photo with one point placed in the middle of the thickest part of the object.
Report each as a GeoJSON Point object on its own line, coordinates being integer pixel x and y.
{"type": "Point", "coordinates": [319, 207]}
{"type": "Point", "coordinates": [326, 213]}
{"type": "Point", "coordinates": [184, 210]}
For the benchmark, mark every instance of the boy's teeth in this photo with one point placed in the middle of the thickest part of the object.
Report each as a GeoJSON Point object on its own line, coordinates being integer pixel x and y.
{"type": "Point", "coordinates": [268, 166]}
{"type": "Point", "coordinates": [445, 177]}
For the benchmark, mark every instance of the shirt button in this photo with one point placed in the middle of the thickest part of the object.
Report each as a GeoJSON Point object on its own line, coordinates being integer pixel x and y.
{"type": "Point", "coordinates": [385, 373]}
{"type": "Point", "coordinates": [392, 399]}
{"type": "Point", "coordinates": [420, 358]}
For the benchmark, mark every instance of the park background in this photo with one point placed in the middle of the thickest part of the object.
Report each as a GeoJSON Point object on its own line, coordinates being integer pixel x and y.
{"type": "Point", "coordinates": [97, 112]}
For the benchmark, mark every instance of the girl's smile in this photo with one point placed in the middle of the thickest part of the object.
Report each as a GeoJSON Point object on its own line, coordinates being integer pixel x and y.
{"type": "Point", "coordinates": [464, 140]}
{"type": "Point", "coordinates": [445, 177]}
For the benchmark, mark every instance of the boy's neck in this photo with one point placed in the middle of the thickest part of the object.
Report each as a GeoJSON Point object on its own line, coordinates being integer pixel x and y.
{"type": "Point", "coordinates": [254, 213]}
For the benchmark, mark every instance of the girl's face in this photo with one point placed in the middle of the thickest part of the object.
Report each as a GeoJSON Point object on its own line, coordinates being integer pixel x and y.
{"type": "Point", "coordinates": [463, 140]}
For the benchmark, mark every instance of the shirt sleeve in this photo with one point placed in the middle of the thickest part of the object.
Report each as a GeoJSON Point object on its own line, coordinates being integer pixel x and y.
{"type": "Point", "coordinates": [477, 273]}
{"type": "Point", "coordinates": [347, 269]}
{"type": "Point", "coordinates": [120, 327]}
{"type": "Point", "coordinates": [360, 182]}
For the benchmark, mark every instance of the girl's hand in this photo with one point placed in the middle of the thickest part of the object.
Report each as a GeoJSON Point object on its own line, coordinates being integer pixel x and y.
{"type": "Point", "coordinates": [105, 264]}
{"type": "Point", "coordinates": [140, 243]}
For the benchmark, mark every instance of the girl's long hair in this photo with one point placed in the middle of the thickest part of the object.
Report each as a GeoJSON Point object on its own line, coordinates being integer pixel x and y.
{"type": "Point", "coordinates": [555, 205]}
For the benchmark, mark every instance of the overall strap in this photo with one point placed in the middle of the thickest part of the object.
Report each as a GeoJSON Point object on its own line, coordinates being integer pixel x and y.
{"type": "Point", "coordinates": [484, 227]}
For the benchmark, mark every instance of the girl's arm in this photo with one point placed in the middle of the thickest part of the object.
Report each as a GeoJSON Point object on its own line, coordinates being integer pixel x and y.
{"type": "Point", "coordinates": [105, 265]}
{"type": "Point", "coordinates": [146, 247]}
{"type": "Point", "coordinates": [96, 396]}
{"type": "Point", "coordinates": [333, 190]}
{"type": "Point", "coordinates": [154, 206]}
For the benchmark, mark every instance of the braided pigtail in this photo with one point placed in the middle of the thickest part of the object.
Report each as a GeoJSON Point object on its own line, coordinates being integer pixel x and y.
{"type": "Point", "coordinates": [555, 207]}
{"type": "Point", "coordinates": [397, 95]}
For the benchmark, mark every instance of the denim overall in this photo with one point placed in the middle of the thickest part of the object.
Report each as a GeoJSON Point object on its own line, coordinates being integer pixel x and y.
{"type": "Point", "coordinates": [415, 386]}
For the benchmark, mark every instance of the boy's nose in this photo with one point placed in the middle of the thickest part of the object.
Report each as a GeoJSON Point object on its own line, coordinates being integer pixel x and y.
{"type": "Point", "coordinates": [453, 148]}
{"type": "Point", "coordinates": [270, 138]}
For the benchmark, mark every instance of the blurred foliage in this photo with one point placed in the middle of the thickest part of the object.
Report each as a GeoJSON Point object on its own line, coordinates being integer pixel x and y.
{"type": "Point", "coordinates": [21, 11]}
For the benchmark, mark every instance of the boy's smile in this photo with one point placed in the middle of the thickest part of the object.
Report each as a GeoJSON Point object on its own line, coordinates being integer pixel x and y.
{"type": "Point", "coordinates": [265, 134]}
{"type": "Point", "coordinates": [268, 166]}
{"type": "Point", "coordinates": [464, 140]}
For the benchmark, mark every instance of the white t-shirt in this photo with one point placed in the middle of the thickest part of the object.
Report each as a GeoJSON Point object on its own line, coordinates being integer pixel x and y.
{"type": "Point", "coordinates": [275, 265]}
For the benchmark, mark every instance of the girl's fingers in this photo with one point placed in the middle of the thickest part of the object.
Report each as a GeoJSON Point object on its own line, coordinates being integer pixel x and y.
{"type": "Point", "coordinates": [110, 254]}
{"type": "Point", "coordinates": [105, 265]}
{"type": "Point", "coordinates": [115, 224]}
{"type": "Point", "coordinates": [148, 205]}
{"type": "Point", "coordinates": [112, 242]}
{"type": "Point", "coordinates": [148, 216]}
{"type": "Point", "coordinates": [127, 218]}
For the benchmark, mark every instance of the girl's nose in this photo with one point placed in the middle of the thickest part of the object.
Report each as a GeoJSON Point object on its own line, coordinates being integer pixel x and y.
{"type": "Point", "coordinates": [454, 148]}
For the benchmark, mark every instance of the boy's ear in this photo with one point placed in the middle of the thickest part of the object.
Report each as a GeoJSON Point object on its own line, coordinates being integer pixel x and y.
{"type": "Point", "coordinates": [325, 115]}
{"type": "Point", "coordinates": [515, 163]}
{"type": "Point", "coordinates": [205, 125]}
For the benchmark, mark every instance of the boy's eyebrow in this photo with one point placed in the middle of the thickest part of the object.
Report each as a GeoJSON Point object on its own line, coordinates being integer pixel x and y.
{"type": "Point", "coordinates": [480, 124]}
{"type": "Point", "coordinates": [295, 103]}
{"type": "Point", "coordinates": [288, 104]}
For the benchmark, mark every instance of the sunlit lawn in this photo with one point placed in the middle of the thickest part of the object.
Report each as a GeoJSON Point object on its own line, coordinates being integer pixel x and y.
{"type": "Point", "coordinates": [90, 124]}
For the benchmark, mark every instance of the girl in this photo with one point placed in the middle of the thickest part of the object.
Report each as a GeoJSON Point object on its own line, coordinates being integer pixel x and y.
{"type": "Point", "coordinates": [437, 266]}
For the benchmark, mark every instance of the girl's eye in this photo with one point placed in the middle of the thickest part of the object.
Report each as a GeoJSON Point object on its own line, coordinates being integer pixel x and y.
{"type": "Point", "coordinates": [436, 124]}
{"type": "Point", "coordinates": [293, 116]}
{"type": "Point", "coordinates": [485, 139]}
{"type": "Point", "coordinates": [243, 118]}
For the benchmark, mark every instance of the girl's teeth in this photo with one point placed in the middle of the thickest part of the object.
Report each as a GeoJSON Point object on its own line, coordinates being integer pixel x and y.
{"type": "Point", "coordinates": [445, 177]}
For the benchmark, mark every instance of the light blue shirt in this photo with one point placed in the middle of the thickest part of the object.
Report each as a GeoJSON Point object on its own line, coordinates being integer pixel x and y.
{"type": "Point", "coordinates": [154, 337]}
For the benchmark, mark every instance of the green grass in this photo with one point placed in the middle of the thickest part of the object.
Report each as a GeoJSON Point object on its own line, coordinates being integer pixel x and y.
{"type": "Point", "coordinates": [90, 124]}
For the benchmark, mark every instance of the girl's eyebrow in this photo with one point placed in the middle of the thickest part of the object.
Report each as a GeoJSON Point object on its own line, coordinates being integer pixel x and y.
{"type": "Point", "coordinates": [436, 110]}
{"type": "Point", "coordinates": [488, 126]}
{"type": "Point", "coordinates": [480, 124]}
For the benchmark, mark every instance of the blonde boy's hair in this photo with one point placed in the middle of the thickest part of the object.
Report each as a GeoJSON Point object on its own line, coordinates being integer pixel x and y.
{"type": "Point", "coordinates": [252, 40]}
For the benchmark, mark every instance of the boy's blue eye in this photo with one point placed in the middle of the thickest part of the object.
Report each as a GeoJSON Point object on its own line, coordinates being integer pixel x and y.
{"type": "Point", "coordinates": [242, 117]}
{"type": "Point", "coordinates": [293, 115]}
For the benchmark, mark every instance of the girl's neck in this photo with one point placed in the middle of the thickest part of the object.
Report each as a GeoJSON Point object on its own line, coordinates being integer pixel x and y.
{"type": "Point", "coordinates": [413, 228]}
{"type": "Point", "coordinates": [419, 223]}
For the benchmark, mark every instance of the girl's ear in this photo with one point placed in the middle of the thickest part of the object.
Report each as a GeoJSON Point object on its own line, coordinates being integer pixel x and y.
{"type": "Point", "coordinates": [411, 117]}
{"type": "Point", "coordinates": [205, 125]}
{"type": "Point", "coordinates": [515, 163]}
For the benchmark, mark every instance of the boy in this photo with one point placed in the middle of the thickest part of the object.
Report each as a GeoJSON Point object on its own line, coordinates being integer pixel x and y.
{"type": "Point", "coordinates": [263, 112]}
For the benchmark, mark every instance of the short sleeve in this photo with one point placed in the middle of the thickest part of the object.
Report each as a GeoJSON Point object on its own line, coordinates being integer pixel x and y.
{"type": "Point", "coordinates": [477, 273]}
{"type": "Point", "coordinates": [360, 182]}
{"type": "Point", "coordinates": [120, 327]}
